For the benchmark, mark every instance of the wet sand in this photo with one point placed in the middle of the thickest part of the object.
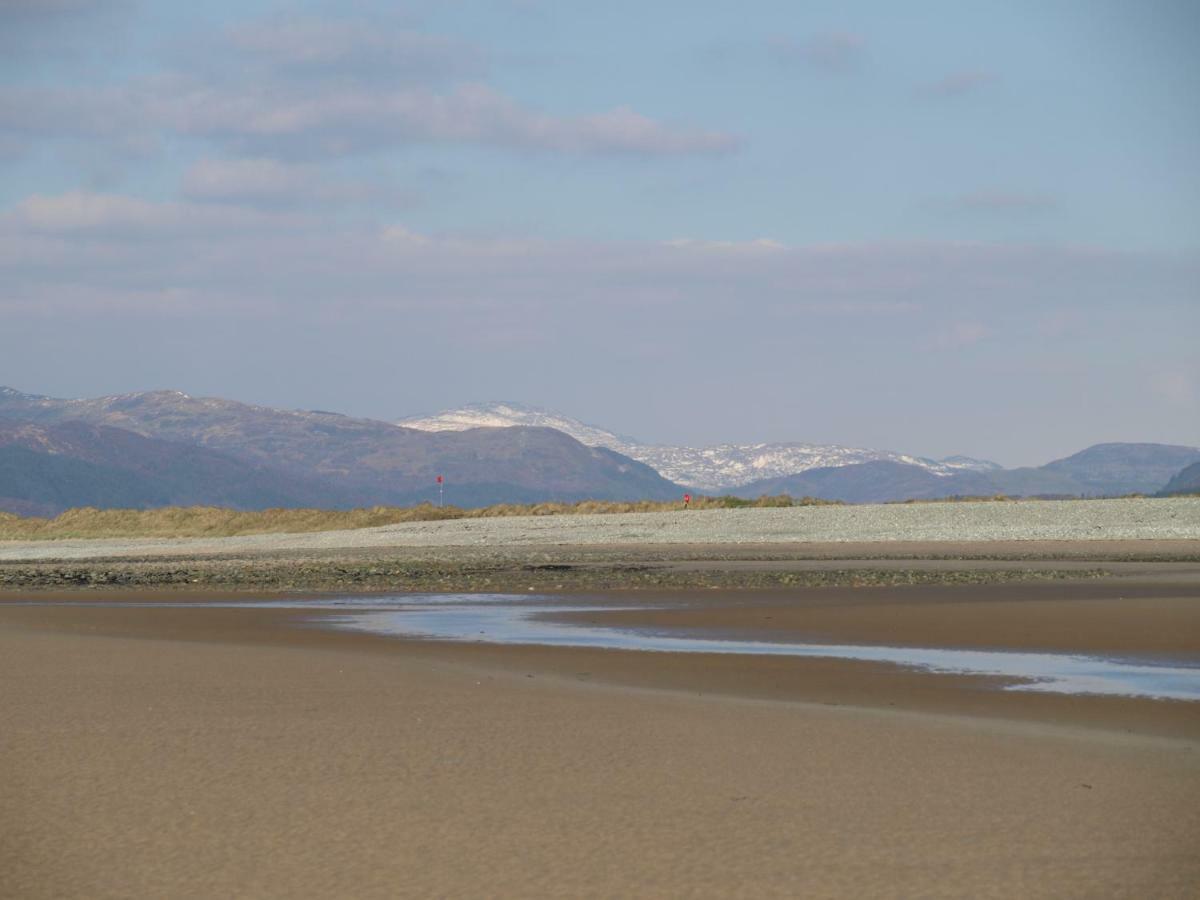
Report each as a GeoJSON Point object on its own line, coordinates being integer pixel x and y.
{"type": "Point", "coordinates": [242, 752]}
{"type": "Point", "coordinates": [1134, 615]}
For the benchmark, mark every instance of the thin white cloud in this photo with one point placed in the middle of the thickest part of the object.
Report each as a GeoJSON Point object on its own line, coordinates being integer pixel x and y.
{"type": "Point", "coordinates": [115, 216]}
{"type": "Point", "coordinates": [339, 120]}
{"type": "Point", "coordinates": [110, 241]}
{"type": "Point", "coordinates": [374, 86]}
{"type": "Point", "coordinates": [352, 119]}
{"type": "Point", "coordinates": [756, 245]}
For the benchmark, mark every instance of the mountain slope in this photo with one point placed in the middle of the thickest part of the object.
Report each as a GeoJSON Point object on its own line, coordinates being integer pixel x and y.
{"type": "Point", "coordinates": [45, 469]}
{"type": "Point", "coordinates": [713, 469]}
{"type": "Point", "coordinates": [1185, 482]}
{"type": "Point", "coordinates": [376, 462]}
{"type": "Point", "coordinates": [43, 484]}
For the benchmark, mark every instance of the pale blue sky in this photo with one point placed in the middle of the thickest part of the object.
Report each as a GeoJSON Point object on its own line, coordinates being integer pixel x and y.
{"type": "Point", "coordinates": [932, 227]}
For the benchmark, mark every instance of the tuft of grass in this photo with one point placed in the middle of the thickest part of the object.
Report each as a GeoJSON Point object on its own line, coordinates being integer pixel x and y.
{"type": "Point", "coordinates": [212, 521]}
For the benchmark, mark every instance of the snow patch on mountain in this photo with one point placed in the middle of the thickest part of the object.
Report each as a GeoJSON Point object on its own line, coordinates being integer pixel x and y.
{"type": "Point", "coordinates": [703, 468]}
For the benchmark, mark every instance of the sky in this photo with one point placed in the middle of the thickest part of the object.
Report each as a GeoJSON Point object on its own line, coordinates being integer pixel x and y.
{"type": "Point", "coordinates": [930, 227]}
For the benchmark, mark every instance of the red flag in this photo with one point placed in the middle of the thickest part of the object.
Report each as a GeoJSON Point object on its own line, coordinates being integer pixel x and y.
{"type": "Point", "coordinates": [439, 479]}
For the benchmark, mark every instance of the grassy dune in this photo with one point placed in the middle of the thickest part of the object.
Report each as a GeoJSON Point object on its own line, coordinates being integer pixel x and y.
{"type": "Point", "coordinates": [208, 521]}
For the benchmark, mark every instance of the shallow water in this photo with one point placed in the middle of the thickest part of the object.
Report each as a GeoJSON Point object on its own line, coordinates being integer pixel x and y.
{"type": "Point", "coordinates": [520, 620]}
{"type": "Point", "coordinates": [531, 619]}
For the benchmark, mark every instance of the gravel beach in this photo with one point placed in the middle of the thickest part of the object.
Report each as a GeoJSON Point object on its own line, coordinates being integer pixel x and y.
{"type": "Point", "coordinates": [1067, 520]}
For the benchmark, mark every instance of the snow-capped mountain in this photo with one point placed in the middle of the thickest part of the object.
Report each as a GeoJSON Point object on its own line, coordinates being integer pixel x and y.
{"type": "Point", "coordinates": [158, 448]}
{"type": "Point", "coordinates": [507, 414]}
{"type": "Point", "coordinates": [705, 468]}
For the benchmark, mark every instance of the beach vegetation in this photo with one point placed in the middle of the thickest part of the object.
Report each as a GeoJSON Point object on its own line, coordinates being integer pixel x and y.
{"type": "Point", "coordinates": [214, 521]}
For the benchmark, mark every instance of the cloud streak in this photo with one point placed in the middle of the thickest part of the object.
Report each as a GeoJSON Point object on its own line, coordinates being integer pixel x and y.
{"type": "Point", "coordinates": [340, 121]}
{"type": "Point", "coordinates": [114, 241]}
{"type": "Point", "coordinates": [307, 88]}
{"type": "Point", "coordinates": [114, 217]}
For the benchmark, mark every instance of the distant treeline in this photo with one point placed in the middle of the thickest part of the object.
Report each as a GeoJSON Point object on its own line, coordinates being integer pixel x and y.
{"type": "Point", "coordinates": [210, 521]}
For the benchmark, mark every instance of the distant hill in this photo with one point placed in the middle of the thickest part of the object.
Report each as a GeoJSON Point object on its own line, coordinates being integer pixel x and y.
{"type": "Point", "coordinates": [1185, 482]}
{"type": "Point", "coordinates": [1103, 470]}
{"type": "Point", "coordinates": [1124, 468]}
{"type": "Point", "coordinates": [879, 481]}
{"type": "Point", "coordinates": [350, 461]}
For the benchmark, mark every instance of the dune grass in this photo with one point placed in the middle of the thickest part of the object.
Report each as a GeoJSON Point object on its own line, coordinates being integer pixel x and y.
{"type": "Point", "coordinates": [210, 521]}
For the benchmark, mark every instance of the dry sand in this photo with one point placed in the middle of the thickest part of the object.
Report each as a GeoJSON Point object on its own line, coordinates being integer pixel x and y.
{"type": "Point", "coordinates": [223, 752]}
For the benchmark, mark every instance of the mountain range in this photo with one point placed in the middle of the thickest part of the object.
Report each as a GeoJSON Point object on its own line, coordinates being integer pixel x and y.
{"type": "Point", "coordinates": [1103, 470]}
{"type": "Point", "coordinates": [161, 448]}
{"type": "Point", "coordinates": [850, 474]}
{"type": "Point", "coordinates": [712, 469]}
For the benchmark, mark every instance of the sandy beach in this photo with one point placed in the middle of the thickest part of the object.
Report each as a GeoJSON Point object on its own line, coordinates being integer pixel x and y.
{"type": "Point", "coordinates": [205, 751]}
